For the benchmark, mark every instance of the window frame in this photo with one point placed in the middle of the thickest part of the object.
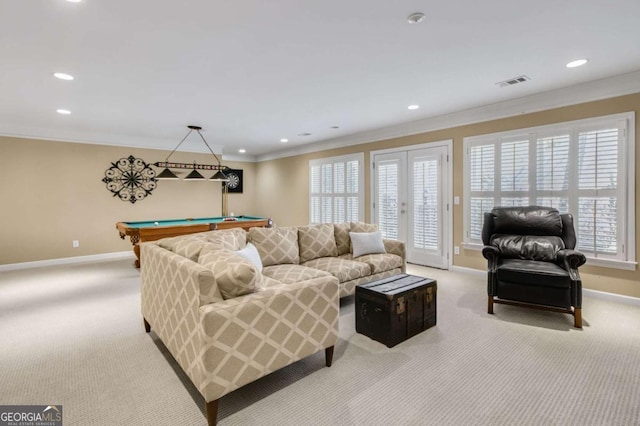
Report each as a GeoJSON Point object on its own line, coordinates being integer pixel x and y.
{"type": "Point", "coordinates": [625, 192]}
{"type": "Point", "coordinates": [359, 157]}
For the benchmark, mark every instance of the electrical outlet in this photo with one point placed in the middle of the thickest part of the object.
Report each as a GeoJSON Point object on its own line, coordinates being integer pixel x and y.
{"type": "Point", "coordinates": [76, 243]}
{"type": "Point", "coordinates": [456, 250]}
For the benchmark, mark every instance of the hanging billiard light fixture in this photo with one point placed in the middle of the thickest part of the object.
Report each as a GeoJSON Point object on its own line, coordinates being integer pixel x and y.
{"type": "Point", "coordinates": [195, 175]}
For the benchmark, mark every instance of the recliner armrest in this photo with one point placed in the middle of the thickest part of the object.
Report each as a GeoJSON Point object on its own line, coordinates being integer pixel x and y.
{"type": "Point", "coordinates": [573, 259]}
{"type": "Point", "coordinates": [491, 253]}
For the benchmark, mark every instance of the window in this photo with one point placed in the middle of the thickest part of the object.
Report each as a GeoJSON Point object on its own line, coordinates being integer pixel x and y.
{"type": "Point", "coordinates": [583, 167]}
{"type": "Point", "coordinates": [335, 189]}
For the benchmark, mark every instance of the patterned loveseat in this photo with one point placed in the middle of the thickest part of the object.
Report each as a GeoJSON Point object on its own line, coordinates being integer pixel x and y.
{"type": "Point", "coordinates": [228, 321]}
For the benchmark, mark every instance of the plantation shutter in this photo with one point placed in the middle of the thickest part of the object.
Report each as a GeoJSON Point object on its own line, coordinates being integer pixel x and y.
{"type": "Point", "coordinates": [334, 189]}
{"type": "Point", "coordinates": [552, 172]}
{"type": "Point", "coordinates": [426, 204]}
{"type": "Point", "coordinates": [482, 163]}
{"type": "Point", "coordinates": [597, 189]}
{"type": "Point", "coordinates": [387, 202]}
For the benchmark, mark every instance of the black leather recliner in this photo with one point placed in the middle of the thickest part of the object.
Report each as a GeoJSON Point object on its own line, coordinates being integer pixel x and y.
{"type": "Point", "coordinates": [531, 259]}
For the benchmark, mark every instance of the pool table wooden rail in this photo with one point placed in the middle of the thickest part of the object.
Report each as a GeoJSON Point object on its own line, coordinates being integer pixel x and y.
{"type": "Point", "coordinates": [154, 233]}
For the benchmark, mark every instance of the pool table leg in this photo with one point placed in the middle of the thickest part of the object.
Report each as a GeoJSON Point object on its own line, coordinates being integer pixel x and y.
{"type": "Point", "coordinates": [136, 250]}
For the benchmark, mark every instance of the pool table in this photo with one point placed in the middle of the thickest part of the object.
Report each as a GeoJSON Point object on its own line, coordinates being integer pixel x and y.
{"type": "Point", "coordinates": [151, 230]}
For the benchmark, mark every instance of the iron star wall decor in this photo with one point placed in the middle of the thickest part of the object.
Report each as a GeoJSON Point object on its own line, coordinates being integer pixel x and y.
{"type": "Point", "coordinates": [130, 179]}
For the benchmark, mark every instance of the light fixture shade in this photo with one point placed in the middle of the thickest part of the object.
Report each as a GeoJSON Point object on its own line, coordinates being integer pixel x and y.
{"type": "Point", "coordinates": [219, 177]}
{"type": "Point", "coordinates": [167, 174]}
{"type": "Point", "coordinates": [194, 176]}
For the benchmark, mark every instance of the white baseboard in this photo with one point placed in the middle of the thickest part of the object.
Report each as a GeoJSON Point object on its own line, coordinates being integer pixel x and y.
{"type": "Point", "coordinates": [67, 260]}
{"type": "Point", "coordinates": [603, 295]}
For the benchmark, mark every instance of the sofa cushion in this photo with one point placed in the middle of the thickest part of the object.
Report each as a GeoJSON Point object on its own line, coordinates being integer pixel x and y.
{"type": "Point", "coordinates": [519, 271]}
{"type": "Point", "coordinates": [234, 275]}
{"type": "Point", "coordinates": [341, 234]}
{"type": "Point", "coordinates": [289, 274]}
{"type": "Point", "coordinates": [363, 227]}
{"type": "Point", "coordinates": [250, 252]}
{"type": "Point", "coordinates": [381, 262]}
{"type": "Point", "coordinates": [188, 246]}
{"type": "Point", "coordinates": [531, 220]}
{"type": "Point", "coordinates": [343, 269]}
{"type": "Point", "coordinates": [276, 245]}
{"type": "Point", "coordinates": [316, 241]}
{"type": "Point", "coordinates": [231, 239]}
{"type": "Point", "coordinates": [366, 243]}
{"type": "Point", "coordinates": [528, 247]}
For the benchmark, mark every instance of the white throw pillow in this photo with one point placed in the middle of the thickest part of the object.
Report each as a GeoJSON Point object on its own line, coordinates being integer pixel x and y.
{"type": "Point", "coordinates": [250, 252]}
{"type": "Point", "coordinates": [366, 243]}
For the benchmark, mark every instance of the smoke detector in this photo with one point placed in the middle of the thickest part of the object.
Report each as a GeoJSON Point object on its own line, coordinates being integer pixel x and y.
{"type": "Point", "coordinates": [415, 18]}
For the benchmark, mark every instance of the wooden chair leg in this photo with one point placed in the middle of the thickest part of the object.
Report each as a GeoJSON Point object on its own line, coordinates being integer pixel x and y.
{"type": "Point", "coordinates": [212, 412]}
{"type": "Point", "coordinates": [490, 305]}
{"type": "Point", "coordinates": [147, 326]}
{"type": "Point", "coordinates": [328, 355]}
{"type": "Point", "coordinates": [577, 317]}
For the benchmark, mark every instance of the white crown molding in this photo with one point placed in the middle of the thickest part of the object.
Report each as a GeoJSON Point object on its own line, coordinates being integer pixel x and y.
{"type": "Point", "coordinates": [239, 158]}
{"type": "Point", "coordinates": [611, 87]}
{"type": "Point", "coordinates": [68, 261]}
{"type": "Point", "coordinates": [97, 138]}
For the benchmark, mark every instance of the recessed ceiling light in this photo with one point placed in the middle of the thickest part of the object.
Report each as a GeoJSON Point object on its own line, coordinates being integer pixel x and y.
{"type": "Point", "coordinates": [242, 150]}
{"type": "Point", "coordinates": [415, 18]}
{"type": "Point", "coordinates": [62, 76]}
{"type": "Point", "coordinates": [283, 140]}
{"type": "Point", "coordinates": [413, 106]}
{"type": "Point", "coordinates": [63, 111]}
{"type": "Point", "coordinates": [74, 1]}
{"type": "Point", "coordinates": [576, 63]}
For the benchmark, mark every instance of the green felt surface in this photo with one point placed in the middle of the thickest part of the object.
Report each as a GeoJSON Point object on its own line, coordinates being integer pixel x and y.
{"type": "Point", "coordinates": [180, 222]}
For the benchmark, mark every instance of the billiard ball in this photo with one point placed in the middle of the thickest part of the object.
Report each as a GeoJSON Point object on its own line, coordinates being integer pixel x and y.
{"type": "Point", "coordinates": [156, 223]}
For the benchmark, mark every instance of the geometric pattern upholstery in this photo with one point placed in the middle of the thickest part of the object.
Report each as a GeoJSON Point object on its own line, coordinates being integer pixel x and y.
{"type": "Point", "coordinates": [234, 275]}
{"type": "Point", "coordinates": [276, 245]}
{"type": "Point", "coordinates": [343, 269]}
{"type": "Point", "coordinates": [231, 239]}
{"type": "Point", "coordinates": [316, 241]}
{"type": "Point", "coordinates": [249, 337]}
{"type": "Point", "coordinates": [228, 343]}
{"type": "Point", "coordinates": [363, 227]}
{"type": "Point", "coordinates": [349, 287]}
{"type": "Point", "coordinates": [341, 234]}
{"type": "Point", "coordinates": [184, 242]}
{"type": "Point", "coordinates": [189, 247]}
{"type": "Point", "coordinates": [289, 274]}
{"type": "Point", "coordinates": [381, 262]}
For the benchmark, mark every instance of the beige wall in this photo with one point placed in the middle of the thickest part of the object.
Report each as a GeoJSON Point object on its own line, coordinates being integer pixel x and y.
{"type": "Point", "coordinates": [52, 193]}
{"type": "Point", "coordinates": [283, 188]}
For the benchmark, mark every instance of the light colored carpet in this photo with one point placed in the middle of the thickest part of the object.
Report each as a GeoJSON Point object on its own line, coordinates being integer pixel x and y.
{"type": "Point", "coordinates": [73, 335]}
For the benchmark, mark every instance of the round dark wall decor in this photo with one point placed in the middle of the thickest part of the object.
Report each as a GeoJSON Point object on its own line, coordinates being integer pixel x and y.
{"type": "Point", "coordinates": [130, 178]}
{"type": "Point", "coordinates": [235, 180]}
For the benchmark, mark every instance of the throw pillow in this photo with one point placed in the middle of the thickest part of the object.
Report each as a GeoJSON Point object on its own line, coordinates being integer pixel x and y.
{"type": "Point", "coordinates": [316, 241]}
{"type": "Point", "coordinates": [341, 234]}
{"type": "Point", "coordinates": [276, 245]}
{"type": "Point", "coordinates": [366, 243]}
{"type": "Point", "coordinates": [250, 252]}
{"type": "Point", "coordinates": [234, 275]}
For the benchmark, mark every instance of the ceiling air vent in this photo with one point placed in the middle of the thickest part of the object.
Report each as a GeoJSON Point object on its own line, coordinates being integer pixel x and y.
{"type": "Point", "coordinates": [514, 80]}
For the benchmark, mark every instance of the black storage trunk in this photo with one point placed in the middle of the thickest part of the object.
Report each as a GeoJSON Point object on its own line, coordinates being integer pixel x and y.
{"type": "Point", "coordinates": [393, 309]}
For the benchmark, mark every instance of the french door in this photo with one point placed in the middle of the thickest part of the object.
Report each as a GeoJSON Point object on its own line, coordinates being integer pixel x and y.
{"type": "Point", "coordinates": [410, 202]}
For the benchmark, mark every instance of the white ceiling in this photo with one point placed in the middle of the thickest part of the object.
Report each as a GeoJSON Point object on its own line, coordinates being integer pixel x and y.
{"type": "Point", "coordinates": [252, 72]}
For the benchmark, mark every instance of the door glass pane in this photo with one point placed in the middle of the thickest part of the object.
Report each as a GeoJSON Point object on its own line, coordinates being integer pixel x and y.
{"type": "Point", "coordinates": [387, 203]}
{"type": "Point", "coordinates": [426, 204]}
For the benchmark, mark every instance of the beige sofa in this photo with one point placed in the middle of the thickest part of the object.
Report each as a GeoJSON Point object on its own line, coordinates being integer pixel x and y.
{"type": "Point", "coordinates": [228, 323]}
